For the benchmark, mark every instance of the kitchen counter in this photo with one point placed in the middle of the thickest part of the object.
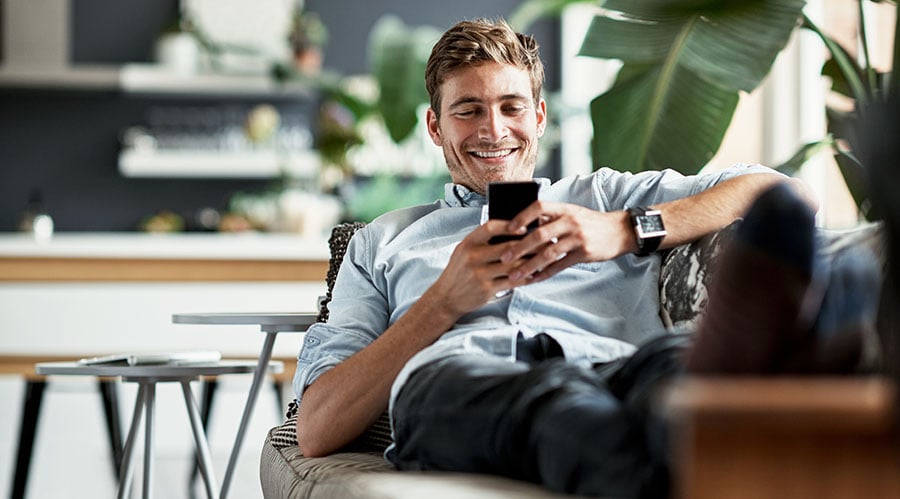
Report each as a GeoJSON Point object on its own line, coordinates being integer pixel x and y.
{"type": "Point", "coordinates": [124, 256]}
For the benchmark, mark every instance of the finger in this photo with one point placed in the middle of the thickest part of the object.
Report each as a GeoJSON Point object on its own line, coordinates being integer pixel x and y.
{"type": "Point", "coordinates": [537, 211]}
{"type": "Point", "coordinates": [553, 269]}
{"type": "Point", "coordinates": [547, 255]}
{"type": "Point", "coordinates": [539, 241]}
{"type": "Point", "coordinates": [483, 233]}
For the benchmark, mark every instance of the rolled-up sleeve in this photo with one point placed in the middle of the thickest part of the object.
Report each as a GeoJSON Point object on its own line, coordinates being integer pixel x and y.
{"type": "Point", "coordinates": [324, 347]}
{"type": "Point", "coordinates": [358, 314]}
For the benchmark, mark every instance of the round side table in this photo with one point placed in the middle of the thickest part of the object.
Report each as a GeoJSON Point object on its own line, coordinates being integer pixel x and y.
{"type": "Point", "coordinates": [147, 376]}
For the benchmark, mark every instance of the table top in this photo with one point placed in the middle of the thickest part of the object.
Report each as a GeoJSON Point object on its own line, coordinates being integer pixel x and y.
{"type": "Point", "coordinates": [154, 370]}
{"type": "Point", "coordinates": [296, 319]}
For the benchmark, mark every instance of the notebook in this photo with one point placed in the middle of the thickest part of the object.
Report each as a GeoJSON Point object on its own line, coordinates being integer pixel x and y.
{"type": "Point", "coordinates": [171, 358]}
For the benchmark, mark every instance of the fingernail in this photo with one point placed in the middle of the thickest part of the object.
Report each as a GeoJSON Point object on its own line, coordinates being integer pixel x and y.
{"type": "Point", "coordinates": [515, 275]}
{"type": "Point", "coordinates": [506, 257]}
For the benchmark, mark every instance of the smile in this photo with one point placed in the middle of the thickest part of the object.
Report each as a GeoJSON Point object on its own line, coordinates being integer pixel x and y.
{"type": "Point", "coordinates": [492, 154]}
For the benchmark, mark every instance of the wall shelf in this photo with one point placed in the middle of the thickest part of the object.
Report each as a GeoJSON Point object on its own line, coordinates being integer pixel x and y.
{"type": "Point", "coordinates": [156, 79]}
{"type": "Point", "coordinates": [149, 79]}
{"type": "Point", "coordinates": [217, 164]}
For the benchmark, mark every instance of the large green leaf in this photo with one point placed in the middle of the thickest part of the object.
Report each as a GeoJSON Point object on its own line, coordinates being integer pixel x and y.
{"type": "Point", "coordinates": [398, 55]}
{"type": "Point", "coordinates": [731, 43]}
{"type": "Point", "coordinates": [637, 128]}
{"type": "Point", "coordinates": [687, 61]}
{"type": "Point", "coordinates": [530, 11]}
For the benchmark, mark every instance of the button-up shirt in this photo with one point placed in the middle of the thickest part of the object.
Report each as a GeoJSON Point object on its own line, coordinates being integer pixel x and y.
{"type": "Point", "coordinates": [596, 311]}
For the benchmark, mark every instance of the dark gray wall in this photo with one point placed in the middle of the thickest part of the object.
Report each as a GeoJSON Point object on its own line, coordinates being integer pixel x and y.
{"type": "Point", "coordinates": [65, 143]}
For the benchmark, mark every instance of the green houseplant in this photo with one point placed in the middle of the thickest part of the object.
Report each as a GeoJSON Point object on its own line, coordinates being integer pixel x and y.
{"type": "Point", "coordinates": [869, 90]}
{"type": "Point", "coordinates": [370, 112]}
{"type": "Point", "coordinates": [684, 64]}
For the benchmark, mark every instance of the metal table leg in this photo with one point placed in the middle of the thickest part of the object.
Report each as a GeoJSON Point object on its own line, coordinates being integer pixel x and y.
{"type": "Point", "coordinates": [200, 441]}
{"type": "Point", "coordinates": [149, 406]}
{"type": "Point", "coordinates": [125, 475]}
{"type": "Point", "coordinates": [262, 366]}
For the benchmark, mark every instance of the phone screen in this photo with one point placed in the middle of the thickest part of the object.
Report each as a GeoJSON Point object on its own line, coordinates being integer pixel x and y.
{"type": "Point", "coordinates": [507, 199]}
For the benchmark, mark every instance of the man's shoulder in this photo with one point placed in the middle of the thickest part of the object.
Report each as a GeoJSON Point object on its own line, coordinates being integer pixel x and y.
{"type": "Point", "coordinates": [395, 221]}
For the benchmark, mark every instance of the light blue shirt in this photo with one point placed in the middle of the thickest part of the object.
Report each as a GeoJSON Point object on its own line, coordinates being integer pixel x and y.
{"type": "Point", "coordinates": [597, 312]}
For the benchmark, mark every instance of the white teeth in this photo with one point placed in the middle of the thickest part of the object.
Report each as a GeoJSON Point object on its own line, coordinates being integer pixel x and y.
{"type": "Point", "coordinates": [492, 154]}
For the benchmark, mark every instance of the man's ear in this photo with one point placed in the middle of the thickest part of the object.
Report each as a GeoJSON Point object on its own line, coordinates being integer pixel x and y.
{"type": "Point", "coordinates": [541, 113]}
{"type": "Point", "coordinates": [434, 127]}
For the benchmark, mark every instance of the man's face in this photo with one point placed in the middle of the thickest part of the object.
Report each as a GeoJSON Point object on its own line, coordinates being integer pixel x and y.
{"type": "Point", "coordinates": [489, 125]}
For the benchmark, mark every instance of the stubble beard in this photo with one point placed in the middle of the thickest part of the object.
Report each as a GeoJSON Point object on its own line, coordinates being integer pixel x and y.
{"type": "Point", "coordinates": [489, 173]}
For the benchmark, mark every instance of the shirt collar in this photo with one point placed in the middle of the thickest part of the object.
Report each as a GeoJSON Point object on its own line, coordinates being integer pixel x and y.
{"type": "Point", "coordinates": [459, 196]}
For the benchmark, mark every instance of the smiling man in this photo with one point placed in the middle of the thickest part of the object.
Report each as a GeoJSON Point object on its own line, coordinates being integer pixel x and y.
{"type": "Point", "coordinates": [533, 358]}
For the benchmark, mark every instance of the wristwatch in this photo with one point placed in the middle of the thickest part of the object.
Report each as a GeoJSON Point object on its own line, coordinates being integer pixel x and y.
{"type": "Point", "coordinates": [648, 228]}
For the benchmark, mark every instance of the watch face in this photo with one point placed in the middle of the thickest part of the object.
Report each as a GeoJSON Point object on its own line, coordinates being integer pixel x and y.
{"type": "Point", "coordinates": [650, 225]}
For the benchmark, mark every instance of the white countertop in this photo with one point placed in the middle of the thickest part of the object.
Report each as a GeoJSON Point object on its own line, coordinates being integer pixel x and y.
{"type": "Point", "coordinates": [208, 246]}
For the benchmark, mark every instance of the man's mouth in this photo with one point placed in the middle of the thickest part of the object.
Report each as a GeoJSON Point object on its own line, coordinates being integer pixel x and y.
{"type": "Point", "coordinates": [500, 153]}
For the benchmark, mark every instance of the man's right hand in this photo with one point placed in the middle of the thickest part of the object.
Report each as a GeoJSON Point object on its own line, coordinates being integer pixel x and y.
{"type": "Point", "coordinates": [475, 274]}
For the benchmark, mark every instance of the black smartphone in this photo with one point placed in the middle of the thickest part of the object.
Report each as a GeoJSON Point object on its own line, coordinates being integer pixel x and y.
{"type": "Point", "coordinates": [506, 200]}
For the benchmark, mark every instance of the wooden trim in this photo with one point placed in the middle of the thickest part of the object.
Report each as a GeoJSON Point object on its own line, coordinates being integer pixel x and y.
{"type": "Point", "coordinates": [803, 438]}
{"type": "Point", "coordinates": [23, 365]}
{"type": "Point", "coordinates": [158, 270]}
{"type": "Point", "coordinates": [812, 404]}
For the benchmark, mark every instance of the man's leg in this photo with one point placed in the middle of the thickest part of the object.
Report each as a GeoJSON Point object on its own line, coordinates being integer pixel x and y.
{"type": "Point", "coordinates": [570, 428]}
{"type": "Point", "coordinates": [775, 306]}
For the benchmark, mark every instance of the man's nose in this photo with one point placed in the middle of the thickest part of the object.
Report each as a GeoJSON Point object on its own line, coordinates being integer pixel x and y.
{"type": "Point", "coordinates": [493, 127]}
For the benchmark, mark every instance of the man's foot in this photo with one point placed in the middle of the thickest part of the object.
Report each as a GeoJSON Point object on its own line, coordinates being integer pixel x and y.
{"type": "Point", "coordinates": [764, 298]}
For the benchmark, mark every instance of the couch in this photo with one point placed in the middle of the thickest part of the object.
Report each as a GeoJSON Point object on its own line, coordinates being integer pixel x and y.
{"type": "Point", "coordinates": [359, 471]}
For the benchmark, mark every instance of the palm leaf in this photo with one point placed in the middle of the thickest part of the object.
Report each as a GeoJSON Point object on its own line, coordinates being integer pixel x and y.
{"type": "Point", "coordinates": [851, 71]}
{"type": "Point", "coordinates": [638, 128]}
{"type": "Point", "coordinates": [687, 61]}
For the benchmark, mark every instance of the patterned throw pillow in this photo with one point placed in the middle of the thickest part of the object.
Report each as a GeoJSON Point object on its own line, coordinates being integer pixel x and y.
{"type": "Point", "coordinates": [685, 275]}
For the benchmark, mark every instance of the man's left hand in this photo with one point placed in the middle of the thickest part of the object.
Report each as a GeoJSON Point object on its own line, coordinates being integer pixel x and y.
{"type": "Point", "coordinates": [567, 234]}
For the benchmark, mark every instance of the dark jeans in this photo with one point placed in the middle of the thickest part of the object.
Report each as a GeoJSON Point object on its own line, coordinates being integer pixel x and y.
{"type": "Point", "coordinates": [570, 428]}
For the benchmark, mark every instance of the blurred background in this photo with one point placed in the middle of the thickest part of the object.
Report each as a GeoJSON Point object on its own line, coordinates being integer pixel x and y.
{"type": "Point", "coordinates": [192, 111]}
{"type": "Point", "coordinates": [245, 129]}
{"type": "Point", "coordinates": [202, 115]}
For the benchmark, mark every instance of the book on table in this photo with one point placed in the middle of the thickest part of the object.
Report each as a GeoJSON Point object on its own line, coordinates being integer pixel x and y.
{"type": "Point", "coordinates": [155, 358]}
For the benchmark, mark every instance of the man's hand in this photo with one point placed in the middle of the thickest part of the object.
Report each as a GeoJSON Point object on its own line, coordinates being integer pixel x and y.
{"type": "Point", "coordinates": [568, 234]}
{"type": "Point", "coordinates": [476, 272]}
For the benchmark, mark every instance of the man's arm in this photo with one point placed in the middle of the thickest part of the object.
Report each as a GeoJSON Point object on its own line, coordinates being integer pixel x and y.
{"type": "Point", "coordinates": [571, 234]}
{"type": "Point", "coordinates": [347, 399]}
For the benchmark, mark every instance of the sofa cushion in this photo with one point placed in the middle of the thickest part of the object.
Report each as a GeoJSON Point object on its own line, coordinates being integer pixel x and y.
{"type": "Point", "coordinates": [286, 473]}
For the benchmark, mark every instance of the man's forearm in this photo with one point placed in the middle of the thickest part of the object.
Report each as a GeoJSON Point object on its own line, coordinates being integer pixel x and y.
{"type": "Point", "coordinates": [347, 399]}
{"type": "Point", "coordinates": [693, 217]}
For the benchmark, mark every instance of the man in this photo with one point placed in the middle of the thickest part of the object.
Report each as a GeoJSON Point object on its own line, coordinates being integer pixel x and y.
{"type": "Point", "coordinates": [537, 358]}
